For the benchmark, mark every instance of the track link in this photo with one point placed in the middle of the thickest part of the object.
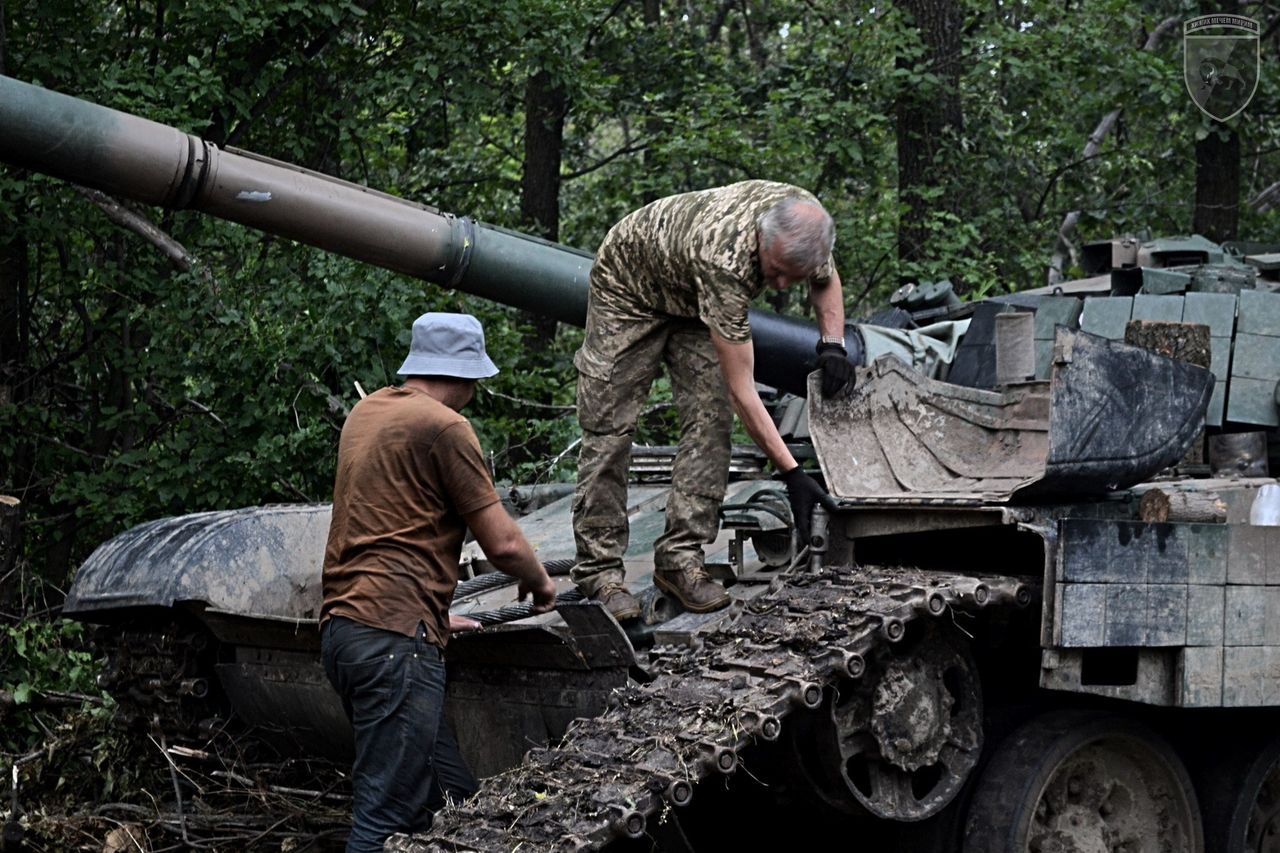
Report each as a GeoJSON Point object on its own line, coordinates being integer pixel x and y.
{"type": "Point", "coordinates": [613, 773]}
{"type": "Point", "coordinates": [161, 680]}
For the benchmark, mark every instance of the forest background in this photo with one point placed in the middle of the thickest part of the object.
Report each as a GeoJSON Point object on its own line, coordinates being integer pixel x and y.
{"type": "Point", "coordinates": [156, 363]}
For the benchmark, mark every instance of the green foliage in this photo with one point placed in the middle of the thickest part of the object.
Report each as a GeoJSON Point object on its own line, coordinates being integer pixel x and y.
{"type": "Point", "coordinates": [130, 390]}
{"type": "Point", "coordinates": [36, 657]}
{"type": "Point", "coordinates": [40, 656]}
{"type": "Point", "coordinates": [524, 416]}
{"type": "Point", "coordinates": [139, 391]}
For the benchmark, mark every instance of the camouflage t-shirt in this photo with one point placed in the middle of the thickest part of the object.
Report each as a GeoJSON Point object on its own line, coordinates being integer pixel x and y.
{"type": "Point", "coordinates": [692, 255]}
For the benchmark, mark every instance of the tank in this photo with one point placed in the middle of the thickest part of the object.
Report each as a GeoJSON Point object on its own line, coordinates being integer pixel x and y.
{"type": "Point", "coordinates": [1044, 614]}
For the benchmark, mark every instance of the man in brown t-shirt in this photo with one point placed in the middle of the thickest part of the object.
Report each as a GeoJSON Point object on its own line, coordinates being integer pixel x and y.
{"type": "Point", "coordinates": [411, 479]}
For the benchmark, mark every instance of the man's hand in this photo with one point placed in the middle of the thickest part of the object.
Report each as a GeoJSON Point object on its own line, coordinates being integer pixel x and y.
{"type": "Point", "coordinates": [542, 589]}
{"type": "Point", "coordinates": [803, 492]}
{"type": "Point", "coordinates": [837, 371]}
{"type": "Point", "coordinates": [461, 624]}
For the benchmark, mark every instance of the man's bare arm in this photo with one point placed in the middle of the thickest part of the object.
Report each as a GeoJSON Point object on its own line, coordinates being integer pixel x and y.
{"type": "Point", "coordinates": [506, 548]}
{"type": "Point", "coordinates": [828, 306]}
{"type": "Point", "coordinates": [737, 365]}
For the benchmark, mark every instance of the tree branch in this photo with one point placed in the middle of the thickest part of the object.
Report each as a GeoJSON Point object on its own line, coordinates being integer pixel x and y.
{"type": "Point", "coordinates": [1064, 246]}
{"type": "Point", "coordinates": [1265, 200]}
{"type": "Point", "coordinates": [754, 46]}
{"type": "Point", "coordinates": [599, 25]}
{"type": "Point", "coordinates": [586, 170]}
{"type": "Point", "coordinates": [529, 403]}
{"type": "Point", "coordinates": [177, 254]}
{"type": "Point", "coordinates": [1053, 179]}
{"type": "Point", "coordinates": [268, 48]}
{"type": "Point", "coordinates": [1161, 30]}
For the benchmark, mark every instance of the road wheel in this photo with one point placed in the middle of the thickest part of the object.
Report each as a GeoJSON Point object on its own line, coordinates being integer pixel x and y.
{"type": "Point", "coordinates": [900, 741]}
{"type": "Point", "coordinates": [1240, 795]}
{"type": "Point", "coordinates": [1078, 782]}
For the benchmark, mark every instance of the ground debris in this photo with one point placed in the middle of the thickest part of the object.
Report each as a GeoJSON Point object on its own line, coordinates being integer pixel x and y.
{"type": "Point", "coordinates": [125, 838]}
{"type": "Point", "coordinates": [224, 793]}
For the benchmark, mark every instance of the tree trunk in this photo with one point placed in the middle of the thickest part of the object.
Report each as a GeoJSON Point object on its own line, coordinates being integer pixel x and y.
{"type": "Point", "coordinates": [1160, 505]}
{"type": "Point", "coordinates": [545, 105]}
{"type": "Point", "coordinates": [925, 113]}
{"type": "Point", "coordinates": [1218, 166]}
{"type": "Point", "coordinates": [1218, 185]}
{"type": "Point", "coordinates": [14, 373]}
{"type": "Point", "coordinates": [13, 300]}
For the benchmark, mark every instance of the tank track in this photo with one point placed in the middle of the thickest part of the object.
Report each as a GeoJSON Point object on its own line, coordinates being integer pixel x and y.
{"type": "Point", "coordinates": [161, 680]}
{"type": "Point", "coordinates": [732, 687]}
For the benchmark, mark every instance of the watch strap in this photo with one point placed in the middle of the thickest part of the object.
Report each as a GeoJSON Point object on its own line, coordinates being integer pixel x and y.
{"type": "Point", "coordinates": [834, 340]}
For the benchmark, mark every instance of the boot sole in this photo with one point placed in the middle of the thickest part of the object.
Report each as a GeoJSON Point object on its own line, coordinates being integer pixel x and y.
{"type": "Point", "coordinates": [667, 587]}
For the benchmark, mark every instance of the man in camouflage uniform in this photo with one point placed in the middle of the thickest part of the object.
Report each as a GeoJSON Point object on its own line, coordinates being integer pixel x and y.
{"type": "Point", "coordinates": [672, 284]}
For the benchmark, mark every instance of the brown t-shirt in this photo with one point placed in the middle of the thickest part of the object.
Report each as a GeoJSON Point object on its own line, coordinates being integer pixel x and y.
{"type": "Point", "coordinates": [409, 468]}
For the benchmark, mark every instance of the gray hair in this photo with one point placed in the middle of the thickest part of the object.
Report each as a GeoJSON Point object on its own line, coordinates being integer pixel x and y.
{"type": "Point", "coordinates": [802, 231]}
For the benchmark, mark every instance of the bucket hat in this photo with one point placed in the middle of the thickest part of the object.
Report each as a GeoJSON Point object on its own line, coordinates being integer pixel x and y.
{"type": "Point", "coordinates": [447, 345]}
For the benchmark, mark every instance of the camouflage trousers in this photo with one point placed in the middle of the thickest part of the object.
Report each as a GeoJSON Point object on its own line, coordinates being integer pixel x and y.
{"type": "Point", "coordinates": [621, 356]}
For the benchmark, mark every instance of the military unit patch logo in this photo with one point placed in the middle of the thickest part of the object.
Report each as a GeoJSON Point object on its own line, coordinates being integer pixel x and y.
{"type": "Point", "coordinates": [1221, 63]}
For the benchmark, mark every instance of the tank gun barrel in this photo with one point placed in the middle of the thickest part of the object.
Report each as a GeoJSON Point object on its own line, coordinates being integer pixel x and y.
{"type": "Point", "coordinates": [152, 163]}
{"type": "Point", "coordinates": [156, 164]}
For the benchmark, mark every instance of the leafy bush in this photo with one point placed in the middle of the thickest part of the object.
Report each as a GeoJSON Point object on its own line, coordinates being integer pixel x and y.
{"type": "Point", "coordinates": [39, 657]}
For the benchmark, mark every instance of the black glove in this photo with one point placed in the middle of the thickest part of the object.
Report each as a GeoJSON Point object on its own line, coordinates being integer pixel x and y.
{"type": "Point", "coordinates": [802, 493]}
{"type": "Point", "coordinates": [837, 370]}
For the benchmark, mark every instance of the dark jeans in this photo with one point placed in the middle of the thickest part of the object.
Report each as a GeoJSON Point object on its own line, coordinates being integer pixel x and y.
{"type": "Point", "coordinates": [407, 760]}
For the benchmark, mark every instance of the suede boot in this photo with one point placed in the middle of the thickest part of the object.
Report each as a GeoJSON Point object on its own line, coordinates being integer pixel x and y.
{"type": "Point", "coordinates": [693, 587]}
{"type": "Point", "coordinates": [620, 603]}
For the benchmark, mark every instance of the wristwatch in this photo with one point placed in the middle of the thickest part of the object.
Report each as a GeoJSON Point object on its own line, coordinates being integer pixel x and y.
{"type": "Point", "coordinates": [835, 340]}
